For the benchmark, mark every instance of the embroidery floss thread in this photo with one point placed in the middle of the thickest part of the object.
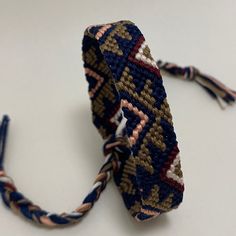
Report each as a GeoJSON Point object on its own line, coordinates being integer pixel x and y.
{"type": "Point", "coordinates": [131, 112]}
{"type": "Point", "coordinates": [213, 87]}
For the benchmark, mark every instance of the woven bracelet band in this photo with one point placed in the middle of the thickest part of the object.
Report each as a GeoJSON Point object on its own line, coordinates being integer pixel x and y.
{"type": "Point", "coordinates": [130, 111]}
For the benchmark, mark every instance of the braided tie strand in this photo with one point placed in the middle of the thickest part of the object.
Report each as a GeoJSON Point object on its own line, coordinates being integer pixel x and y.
{"type": "Point", "coordinates": [20, 204]}
{"type": "Point", "coordinates": [213, 87]}
{"type": "Point", "coordinates": [188, 72]}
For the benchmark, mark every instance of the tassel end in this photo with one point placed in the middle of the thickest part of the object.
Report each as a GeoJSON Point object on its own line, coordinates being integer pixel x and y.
{"type": "Point", "coordinates": [213, 87]}
{"type": "Point", "coordinates": [216, 89]}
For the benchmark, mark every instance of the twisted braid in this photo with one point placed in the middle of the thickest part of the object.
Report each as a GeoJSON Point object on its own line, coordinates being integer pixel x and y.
{"type": "Point", "coordinates": [20, 204]}
{"type": "Point", "coordinates": [213, 87]}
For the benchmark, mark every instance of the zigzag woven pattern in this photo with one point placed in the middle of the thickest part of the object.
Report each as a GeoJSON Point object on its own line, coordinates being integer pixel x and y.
{"type": "Point", "coordinates": [132, 115]}
{"type": "Point", "coordinates": [126, 90]}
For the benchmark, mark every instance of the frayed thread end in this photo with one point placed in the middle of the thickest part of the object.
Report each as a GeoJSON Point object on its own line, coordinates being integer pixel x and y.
{"type": "Point", "coordinates": [211, 85]}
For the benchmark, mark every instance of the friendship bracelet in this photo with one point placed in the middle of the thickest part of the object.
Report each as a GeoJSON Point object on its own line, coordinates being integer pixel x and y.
{"type": "Point", "coordinates": [131, 112]}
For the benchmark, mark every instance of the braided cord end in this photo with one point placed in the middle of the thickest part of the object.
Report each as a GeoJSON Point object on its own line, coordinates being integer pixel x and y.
{"type": "Point", "coordinates": [23, 206]}
{"type": "Point", "coordinates": [211, 85]}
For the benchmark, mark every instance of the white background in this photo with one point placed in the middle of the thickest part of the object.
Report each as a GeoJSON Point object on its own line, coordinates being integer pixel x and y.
{"type": "Point", "coordinates": [54, 152]}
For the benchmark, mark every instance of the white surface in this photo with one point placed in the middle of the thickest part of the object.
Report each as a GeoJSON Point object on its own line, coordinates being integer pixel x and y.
{"type": "Point", "coordinates": [54, 151]}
